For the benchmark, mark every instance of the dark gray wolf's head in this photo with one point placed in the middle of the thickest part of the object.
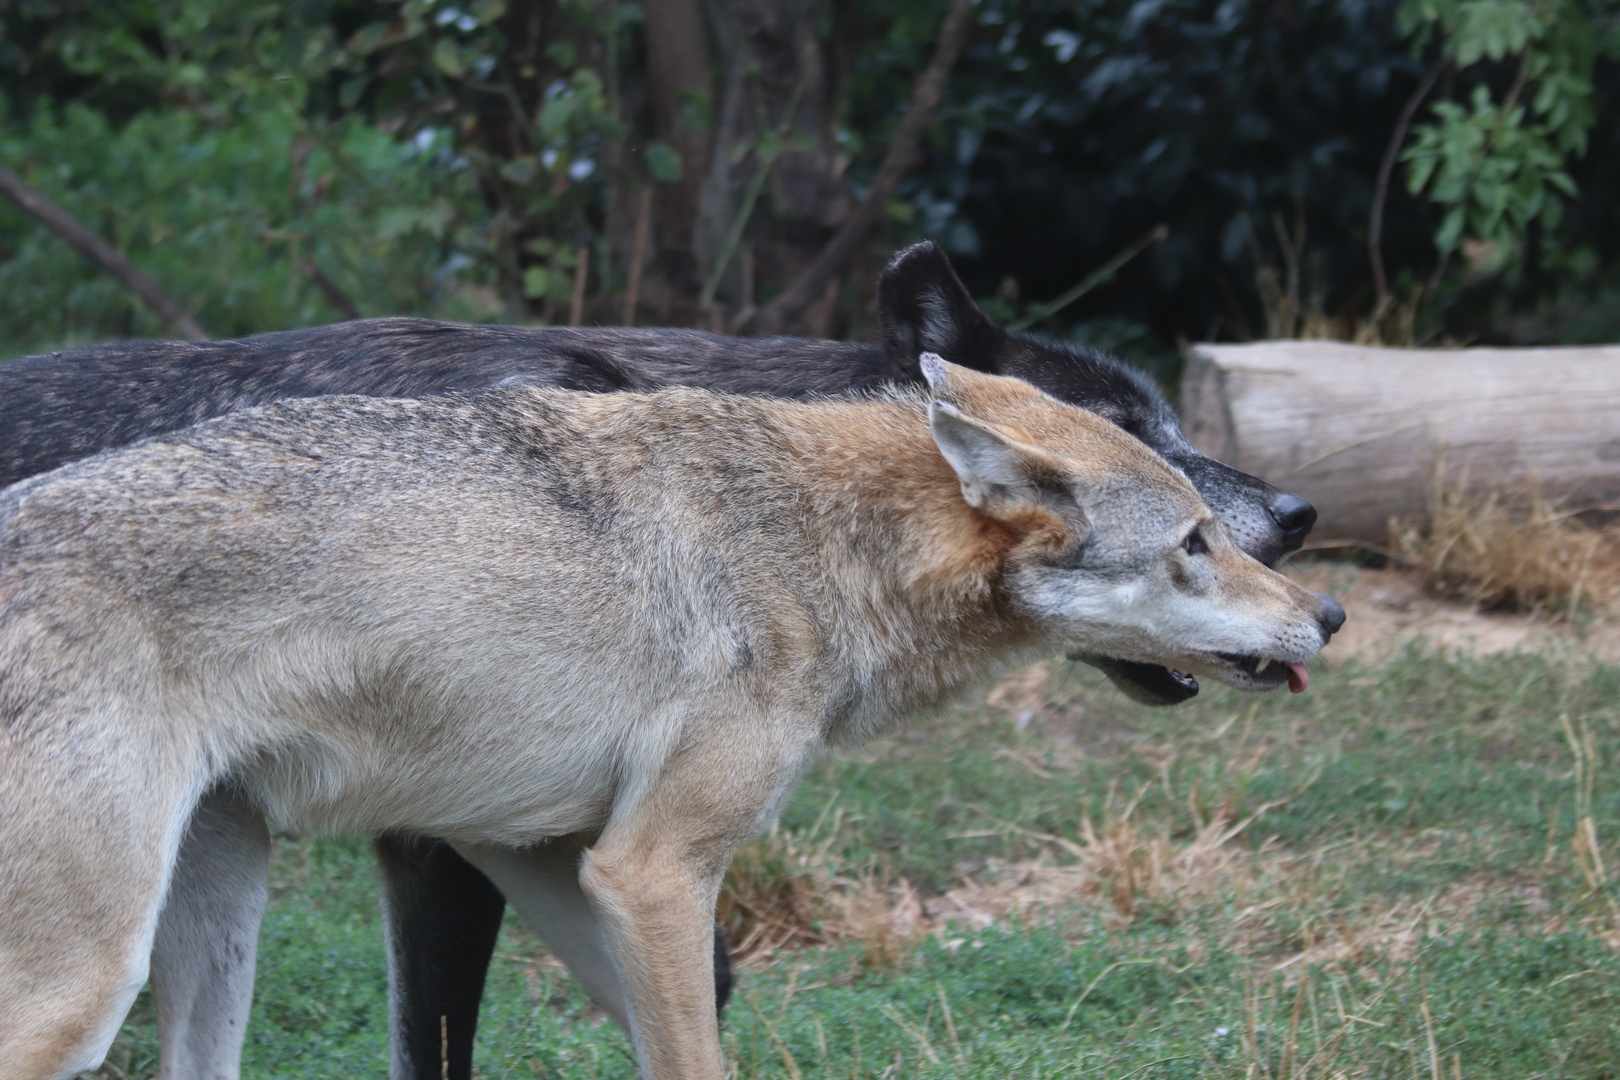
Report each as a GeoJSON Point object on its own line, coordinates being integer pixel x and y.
{"type": "Point", "coordinates": [926, 308]}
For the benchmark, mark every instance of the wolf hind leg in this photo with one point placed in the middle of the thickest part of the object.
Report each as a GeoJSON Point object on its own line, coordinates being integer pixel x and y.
{"type": "Point", "coordinates": [443, 917]}
{"type": "Point", "coordinates": [207, 939]}
{"type": "Point", "coordinates": [542, 883]}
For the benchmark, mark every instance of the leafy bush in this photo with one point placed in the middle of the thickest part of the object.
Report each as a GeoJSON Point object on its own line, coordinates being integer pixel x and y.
{"type": "Point", "coordinates": [1255, 128]}
{"type": "Point", "coordinates": [455, 159]}
{"type": "Point", "coordinates": [235, 219]}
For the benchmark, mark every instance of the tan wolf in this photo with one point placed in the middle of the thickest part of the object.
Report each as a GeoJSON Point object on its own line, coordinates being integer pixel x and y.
{"type": "Point", "coordinates": [516, 615]}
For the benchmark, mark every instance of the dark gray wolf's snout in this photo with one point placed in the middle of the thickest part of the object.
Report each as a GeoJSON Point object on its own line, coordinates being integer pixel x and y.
{"type": "Point", "coordinates": [1294, 516]}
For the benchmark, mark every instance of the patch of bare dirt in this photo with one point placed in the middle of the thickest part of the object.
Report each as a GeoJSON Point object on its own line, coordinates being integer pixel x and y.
{"type": "Point", "coordinates": [1386, 609]}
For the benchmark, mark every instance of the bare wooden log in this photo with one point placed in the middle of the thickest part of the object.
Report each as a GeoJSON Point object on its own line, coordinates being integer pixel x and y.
{"type": "Point", "coordinates": [1366, 433]}
{"type": "Point", "coordinates": [103, 254]}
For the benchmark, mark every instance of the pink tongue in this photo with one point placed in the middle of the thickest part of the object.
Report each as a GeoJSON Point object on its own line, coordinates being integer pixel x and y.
{"type": "Point", "coordinates": [1298, 678]}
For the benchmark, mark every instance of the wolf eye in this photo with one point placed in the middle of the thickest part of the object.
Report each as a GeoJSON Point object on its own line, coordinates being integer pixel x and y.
{"type": "Point", "coordinates": [1195, 543]}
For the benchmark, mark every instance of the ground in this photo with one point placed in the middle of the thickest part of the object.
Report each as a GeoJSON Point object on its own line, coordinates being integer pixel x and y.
{"type": "Point", "coordinates": [1403, 872]}
{"type": "Point", "coordinates": [1389, 608]}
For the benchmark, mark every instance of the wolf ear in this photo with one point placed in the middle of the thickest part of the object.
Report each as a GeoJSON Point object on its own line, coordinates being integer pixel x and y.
{"type": "Point", "coordinates": [932, 366]}
{"type": "Point", "coordinates": [1000, 477]}
{"type": "Point", "coordinates": [924, 307]}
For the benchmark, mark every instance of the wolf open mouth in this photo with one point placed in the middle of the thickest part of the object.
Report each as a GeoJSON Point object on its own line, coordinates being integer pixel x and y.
{"type": "Point", "coordinates": [1149, 684]}
{"type": "Point", "coordinates": [1260, 673]}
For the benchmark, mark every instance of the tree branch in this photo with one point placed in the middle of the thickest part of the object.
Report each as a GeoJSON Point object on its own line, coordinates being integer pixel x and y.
{"type": "Point", "coordinates": [1104, 274]}
{"type": "Point", "coordinates": [331, 290]}
{"type": "Point", "coordinates": [811, 285]}
{"type": "Point", "coordinates": [101, 253]}
{"type": "Point", "coordinates": [1375, 219]}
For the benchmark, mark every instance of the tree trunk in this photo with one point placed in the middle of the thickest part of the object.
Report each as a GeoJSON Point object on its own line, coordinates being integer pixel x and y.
{"type": "Point", "coordinates": [779, 90]}
{"type": "Point", "coordinates": [682, 89]}
{"type": "Point", "coordinates": [1367, 433]}
{"type": "Point", "coordinates": [798, 300]}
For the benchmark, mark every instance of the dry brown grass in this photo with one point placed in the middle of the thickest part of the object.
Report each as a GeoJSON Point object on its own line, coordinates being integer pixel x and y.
{"type": "Point", "coordinates": [1178, 851]}
{"type": "Point", "coordinates": [778, 892]}
{"type": "Point", "coordinates": [1506, 553]}
{"type": "Point", "coordinates": [786, 891]}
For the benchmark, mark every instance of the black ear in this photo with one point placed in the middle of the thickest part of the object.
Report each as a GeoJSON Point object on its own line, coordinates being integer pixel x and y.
{"type": "Point", "coordinates": [924, 307]}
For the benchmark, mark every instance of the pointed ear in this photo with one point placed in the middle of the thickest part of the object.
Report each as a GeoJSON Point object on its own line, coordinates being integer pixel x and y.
{"type": "Point", "coordinates": [934, 372]}
{"type": "Point", "coordinates": [999, 476]}
{"type": "Point", "coordinates": [986, 462]}
{"type": "Point", "coordinates": [924, 307]}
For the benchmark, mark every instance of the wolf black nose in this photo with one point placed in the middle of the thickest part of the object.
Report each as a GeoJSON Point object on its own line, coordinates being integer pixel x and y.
{"type": "Point", "coordinates": [1330, 614]}
{"type": "Point", "coordinates": [1292, 514]}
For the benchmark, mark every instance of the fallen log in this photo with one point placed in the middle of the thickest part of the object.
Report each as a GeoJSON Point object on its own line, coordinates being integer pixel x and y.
{"type": "Point", "coordinates": [1367, 433]}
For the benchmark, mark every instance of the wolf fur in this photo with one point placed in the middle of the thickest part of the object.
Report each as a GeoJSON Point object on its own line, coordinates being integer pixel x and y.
{"type": "Point", "coordinates": [60, 406]}
{"type": "Point", "coordinates": [442, 915]}
{"type": "Point", "coordinates": [512, 616]}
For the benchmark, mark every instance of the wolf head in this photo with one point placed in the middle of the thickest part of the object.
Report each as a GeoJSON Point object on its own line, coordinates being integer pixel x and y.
{"type": "Point", "coordinates": [1124, 560]}
{"type": "Point", "coordinates": [926, 308]}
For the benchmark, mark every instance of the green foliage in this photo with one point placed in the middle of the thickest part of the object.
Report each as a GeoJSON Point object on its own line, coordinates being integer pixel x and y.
{"type": "Point", "coordinates": [452, 157]}
{"type": "Point", "coordinates": [190, 144]}
{"type": "Point", "coordinates": [233, 218]}
{"type": "Point", "coordinates": [1498, 164]}
{"type": "Point", "coordinates": [528, 104]}
{"type": "Point", "coordinates": [272, 165]}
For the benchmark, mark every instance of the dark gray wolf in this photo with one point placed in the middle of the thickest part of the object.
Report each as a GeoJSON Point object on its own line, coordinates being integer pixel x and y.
{"type": "Point", "coordinates": [519, 615]}
{"type": "Point", "coordinates": [442, 914]}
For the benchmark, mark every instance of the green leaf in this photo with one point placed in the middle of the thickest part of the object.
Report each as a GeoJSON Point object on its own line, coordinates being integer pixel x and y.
{"type": "Point", "coordinates": [536, 282]}
{"type": "Point", "coordinates": [556, 114]}
{"type": "Point", "coordinates": [1422, 168]}
{"type": "Point", "coordinates": [519, 170]}
{"type": "Point", "coordinates": [350, 92]}
{"type": "Point", "coordinates": [563, 54]}
{"type": "Point", "coordinates": [663, 162]}
{"type": "Point", "coordinates": [447, 58]}
{"type": "Point", "coordinates": [1451, 229]}
{"type": "Point", "coordinates": [371, 37]}
{"type": "Point", "coordinates": [487, 11]}
{"type": "Point", "coordinates": [696, 112]}
{"type": "Point", "coordinates": [1492, 29]}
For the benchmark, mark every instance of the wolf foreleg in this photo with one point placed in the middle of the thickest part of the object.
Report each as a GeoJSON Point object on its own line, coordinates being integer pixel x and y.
{"type": "Point", "coordinates": [542, 883]}
{"type": "Point", "coordinates": [657, 910]}
{"type": "Point", "coordinates": [90, 837]}
{"type": "Point", "coordinates": [653, 877]}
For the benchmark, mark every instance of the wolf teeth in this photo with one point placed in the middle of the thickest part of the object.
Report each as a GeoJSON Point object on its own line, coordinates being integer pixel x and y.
{"type": "Point", "coordinates": [1264, 663]}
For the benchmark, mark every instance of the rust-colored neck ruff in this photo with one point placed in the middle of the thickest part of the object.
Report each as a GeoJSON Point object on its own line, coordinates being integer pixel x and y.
{"type": "Point", "coordinates": [926, 570]}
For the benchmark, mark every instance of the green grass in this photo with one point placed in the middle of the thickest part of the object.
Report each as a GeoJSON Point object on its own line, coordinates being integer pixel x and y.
{"type": "Point", "coordinates": [1418, 848]}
